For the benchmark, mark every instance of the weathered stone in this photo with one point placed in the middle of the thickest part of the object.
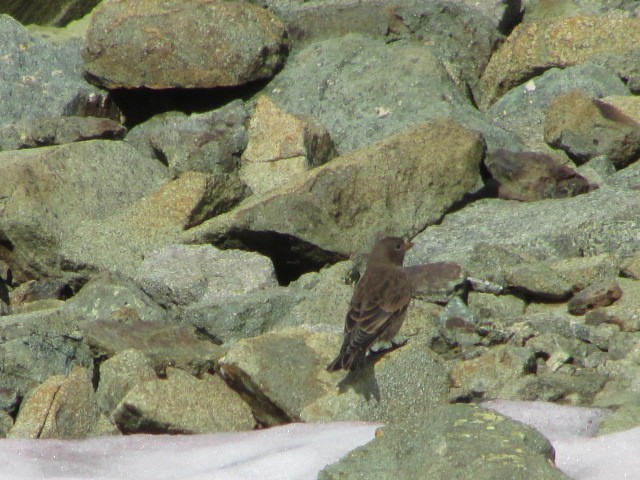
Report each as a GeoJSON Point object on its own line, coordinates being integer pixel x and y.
{"type": "Point", "coordinates": [120, 242]}
{"type": "Point", "coordinates": [600, 294]}
{"type": "Point", "coordinates": [459, 325]}
{"type": "Point", "coordinates": [121, 373]}
{"type": "Point", "coordinates": [182, 403]}
{"type": "Point", "coordinates": [43, 78]}
{"type": "Point", "coordinates": [454, 441]}
{"type": "Point", "coordinates": [437, 282]}
{"type": "Point", "coordinates": [522, 110]}
{"type": "Point", "coordinates": [390, 186]}
{"type": "Point", "coordinates": [557, 350]}
{"type": "Point", "coordinates": [48, 288]}
{"type": "Point", "coordinates": [631, 267]}
{"type": "Point", "coordinates": [281, 147]}
{"type": "Point", "coordinates": [493, 369]}
{"type": "Point", "coordinates": [586, 225]}
{"type": "Point", "coordinates": [167, 345]}
{"type": "Point", "coordinates": [6, 422]}
{"type": "Point", "coordinates": [344, 83]}
{"type": "Point", "coordinates": [108, 296]}
{"type": "Point", "coordinates": [46, 131]}
{"type": "Point", "coordinates": [581, 272]}
{"type": "Point", "coordinates": [495, 307]}
{"type": "Point", "coordinates": [62, 407]}
{"type": "Point", "coordinates": [533, 47]}
{"type": "Point", "coordinates": [186, 274]}
{"type": "Point", "coordinates": [530, 176]}
{"type": "Point", "coordinates": [203, 44]}
{"type": "Point", "coordinates": [538, 280]}
{"type": "Point", "coordinates": [35, 346]}
{"type": "Point", "coordinates": [48, 192]}
{"type": "Point", "coordinates": [209, 142]}
{"type": "Point", "coordinates": [46, 12]}
{"type": "Point", "coordinates": [586, 128]}
{"type": "Point", "coordinates": [624, 312]}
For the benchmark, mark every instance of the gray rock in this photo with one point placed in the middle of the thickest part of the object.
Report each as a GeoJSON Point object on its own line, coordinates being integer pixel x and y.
{"type": "Point", "coordinates": [44, 79]}
{"type": "Point", "coordinates": [6, 422]}
{"type": "Point", "coordinates": [586, 128]}
{"type": "Point", "coordinates": [202, 45]}
{"type": "Point", "coordinates": [600, 294]}
{"type": "Point", "coordinates": [46, 193]}
{"type": "Point", "coordinates": [553, 229]}
{"type": "Point", "coordinates": [107, 297]}
{"type": "Point", "coordinates": [388, 391]}
{"type": "Point", "coordinates": [534, 47]}
{"type": "Point", "coordinates": [46, 12]}
{"type": "Point", "coordinates": [209, 142]}
{"type": "Point", "coordinates": [488, 306]}
{"type": "Point", "coordinates": [46, 131]}
{"type": "Point", "coordinates": [344, 83]}
{"type": "Point", "coordinates": [119, 374]}
{"type": "Point", "coordinates": [166, 345]}
{"type": "Point", "coordinates": [182, 403]}
{"type": "Point", "coordinates": [36, 346]}
{"type": "Point", "coordinates": [538, 281]}
{"type": "Point", "coordinates": [459, 325]}
{"type": "Point", "coordinates": [581, 272]}
{"type": "Point", "coordinates": [522, 109]}
{"type": "Point", "coordinates": [392, 186]}
{"type": "Point", "coordinates": [455, 441]}
{"type": "Point", "coordinates": [186, 274]}
{"type": "Point", "coordinates": [61, 407]}
{"type": "Point", "coordinates": [437, 282]}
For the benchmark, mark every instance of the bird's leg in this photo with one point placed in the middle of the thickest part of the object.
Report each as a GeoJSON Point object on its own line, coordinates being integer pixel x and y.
{"type": "Point", "coordinates": [394, 346]}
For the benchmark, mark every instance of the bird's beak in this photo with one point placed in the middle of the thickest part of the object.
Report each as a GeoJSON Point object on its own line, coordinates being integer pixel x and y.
{"type": "Point", "coordinates": [408, 245]}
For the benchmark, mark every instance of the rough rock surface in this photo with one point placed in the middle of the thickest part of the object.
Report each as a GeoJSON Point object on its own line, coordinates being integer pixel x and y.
{"type": "Point", "coordinates": [173, 44]}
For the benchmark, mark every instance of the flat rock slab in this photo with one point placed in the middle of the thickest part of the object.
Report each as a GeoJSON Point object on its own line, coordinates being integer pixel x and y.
{"type": "Point", "coordinates": [390, 186]}
{"type": "Point", "coordinates": [195, 44]}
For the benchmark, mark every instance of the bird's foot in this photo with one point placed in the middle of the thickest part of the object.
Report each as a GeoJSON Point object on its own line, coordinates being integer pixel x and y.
{"type": "Point", "coordinates": [394, 346]}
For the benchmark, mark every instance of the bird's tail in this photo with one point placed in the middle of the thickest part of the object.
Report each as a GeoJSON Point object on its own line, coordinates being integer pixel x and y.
{"type": "Point", "coordinates": [348, 359]}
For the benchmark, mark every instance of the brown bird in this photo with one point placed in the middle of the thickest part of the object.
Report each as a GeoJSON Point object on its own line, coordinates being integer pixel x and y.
{"type": "Point", "coordinates": [378, 305]}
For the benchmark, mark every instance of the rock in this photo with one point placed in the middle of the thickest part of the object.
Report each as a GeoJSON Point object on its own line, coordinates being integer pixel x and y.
{"type": "Point", "coordinates": [55, 13]}
{"type": "Point", "coordinates": [47, 131]}
{"type": "Point", "coordinates": [108, 296]}
{"type": "Point", "coordinates": [166, 345]}
{"type": "Point", "coordinates": [120, 242]}
{"type": "Point", "coordinates": [210, 142]}
{"type": "Point", "coordinates": [35, 346]}
{"type": "Point", "coordinates": [586, 128]}
{"type": "Point", "coordinates": [47, 193]}
{"type": "Point", "coordinates": [429, 444]}
{"type": "Point", "coordinates": [494, 368]}
{"type": "Point", "coordinates": [437, 282]}
{"type": "Point", "coordinates": [185, 274]}
{"type": "Point", "coordinates": [522, 110]}
{"type": "Point", "coordinates": [389, 391]}
{"type": "Point", "coordinates": [459, 325]}
{"type": "Point", "coordinates": [45, 289]}
{"type": "Point", "coordinates": [119, 374]}
{"type": "Point", "coordinates": [391, 187]}
{"type": "Point", "coordinates": [61, 407]}
{"type": "Point", "coordinates": [631, 267]}
{"type": "Point", "coordinates": [624, 418]}
{"type": "Point", "coordinates": [586, 225]}
{"type": "Point", "coordinates": [624, 312]}
{"type": "Point", "coordinates": [531, 176]}
{"type": "Point", "coordinates": [6, 422]}
{"type": "Point", "coordinates": [488, 306]}
{"type": "Point", "coordinates": [344, 83]}
{"type": "Point", "coordinates": [44, 78]}
{"type": "Point", "coordinates": [163, 45]}
{"type": "Point", "coordinates": [308, 392]}
{"type": "Point", "coordinates": [538, 281]}
{"type": "Point", "coordinates": [600, 294]}
{"type": "Point", "coordinates": [534, 47]}
{"type": "Point", "coordinates": [581, 272]}
{"type": "Point", "coordinates": [557, 350]}
{"type": "Point", "coordinates": [182, 403]}
{"type": "Point", "coordinates": [281, 147]}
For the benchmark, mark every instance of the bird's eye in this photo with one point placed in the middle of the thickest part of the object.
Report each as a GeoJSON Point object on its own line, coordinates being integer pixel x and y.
{"type": "Point", "coordinates": [398, 246]}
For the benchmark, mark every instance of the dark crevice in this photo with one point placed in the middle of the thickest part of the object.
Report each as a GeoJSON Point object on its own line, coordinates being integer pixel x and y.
{"type": "Point", "coordinates": [291, 256]}
{"type": "Point", "coordinates": [140, 104]}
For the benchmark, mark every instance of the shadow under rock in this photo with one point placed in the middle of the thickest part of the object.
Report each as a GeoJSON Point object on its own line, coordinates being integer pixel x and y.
{"type": "Point", "coordinates": [364, 381]}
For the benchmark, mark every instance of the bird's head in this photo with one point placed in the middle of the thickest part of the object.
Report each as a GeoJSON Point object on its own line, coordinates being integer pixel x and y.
{"type": "Point", "coordinates": [389, 250]}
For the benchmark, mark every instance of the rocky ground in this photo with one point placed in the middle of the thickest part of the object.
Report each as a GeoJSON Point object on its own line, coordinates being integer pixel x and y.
{"type": "Point", "coordinates": [187, 188]}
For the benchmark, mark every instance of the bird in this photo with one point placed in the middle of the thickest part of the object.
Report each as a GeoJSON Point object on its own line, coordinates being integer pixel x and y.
{"type": "Point", "coordinates": [378, 305]}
